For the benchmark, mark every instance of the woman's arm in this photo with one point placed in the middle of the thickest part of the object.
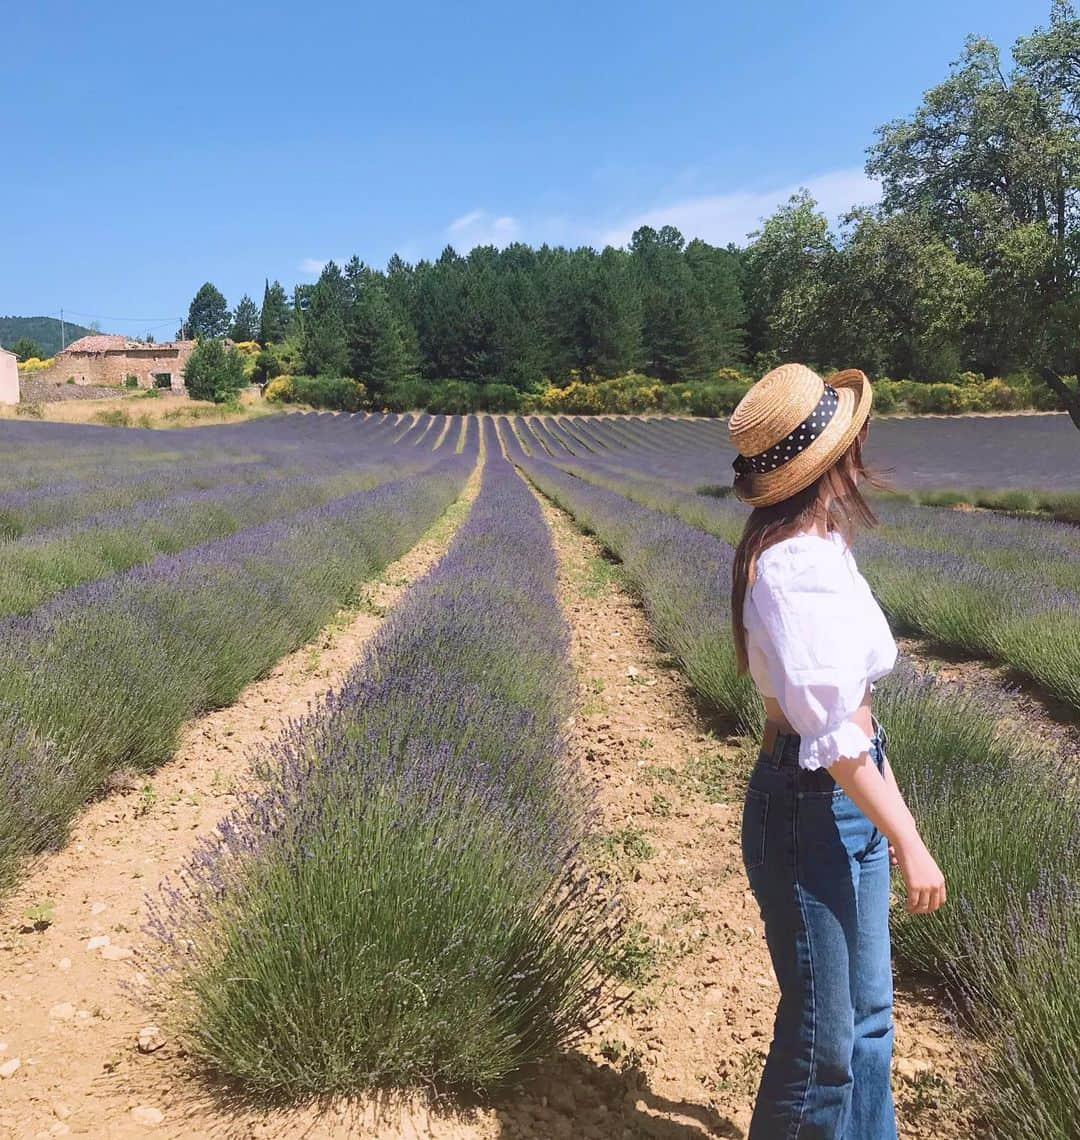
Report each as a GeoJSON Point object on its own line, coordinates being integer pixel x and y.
{"type": "Point", "coordinates": [876, 794]}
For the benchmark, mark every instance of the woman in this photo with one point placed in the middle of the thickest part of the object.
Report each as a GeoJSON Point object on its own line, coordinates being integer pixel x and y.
{"type": "Point", "coordinates": [823, 817]}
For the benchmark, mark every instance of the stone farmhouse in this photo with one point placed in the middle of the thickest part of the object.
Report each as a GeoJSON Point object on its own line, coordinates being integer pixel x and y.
{"type": "Point", "coordinates": [106, 360]}
{"type": "Point", "coordinates": [9, 377]}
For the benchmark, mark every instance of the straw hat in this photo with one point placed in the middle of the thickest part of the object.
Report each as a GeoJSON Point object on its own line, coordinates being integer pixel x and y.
{"type": "Point", "coordinates": [791, 427]}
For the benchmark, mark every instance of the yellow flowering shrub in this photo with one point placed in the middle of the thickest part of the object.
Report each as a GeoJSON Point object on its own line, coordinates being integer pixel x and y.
{"type": "Point", "coordinates": [280, 390]}
{"type": "Point", "coordinates": [34, 364]}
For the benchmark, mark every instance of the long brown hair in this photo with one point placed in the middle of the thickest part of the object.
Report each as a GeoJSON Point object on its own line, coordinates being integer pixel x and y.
{"type": "Point", "coordinates": [833, 497]}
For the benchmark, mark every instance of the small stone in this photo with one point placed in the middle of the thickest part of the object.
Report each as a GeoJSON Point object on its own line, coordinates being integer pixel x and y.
{"type": "Point", "coordinates": [150, 1039]}
{"type": "Point", "coordinates": [10, 1068]}
{"type": "Point", "coordinates": [60, 1129]}
{"type": "Point", "coordinates": [97, 942]}
{"type": "Point", "coordinates": [83, 1014]}
{"type": "Point", "coordinates": [147, 1114]}
{"type": "Point", "coordinates": [116, 953]}
{"type": "Point", "coordinates": [64, 964]}
{"type": "Point", "coordinates": [62, 1011]}
{"type": "Point", "coordinates": [910, 1068]}
{"type": "Point", "coordinates": [61, 1109]}
{"type": "Point", "coordinates": [97, 908]}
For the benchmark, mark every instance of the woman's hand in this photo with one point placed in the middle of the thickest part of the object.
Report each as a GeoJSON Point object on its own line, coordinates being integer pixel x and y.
{"type": "Point", "coordinates": [923, 878]}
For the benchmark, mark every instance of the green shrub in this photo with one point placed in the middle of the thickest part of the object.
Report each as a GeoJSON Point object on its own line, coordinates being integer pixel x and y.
{"type": "Point", "coordinates": [337, 393]}
{"type": "Point", "coordinates": [937, 398]}
{"type": "Point", "coordinates": [287, 354]}
{"type": "Point", "coordinates": [886, 397]}
{"type": "Point", "coordinates": [716, 399]}
{"type": "Point", "coordinates": [499, 398]}
{"type": "Point", "coordinates": [266, 367]}
{"type": "Point", "coordinates": [214, 372]}
{"type": "Point", "coordinates": [995, 396]}
{"type": "Point", "coordinates": [452, 397]}
{"type": "Point", "coordinates": [404, 396]}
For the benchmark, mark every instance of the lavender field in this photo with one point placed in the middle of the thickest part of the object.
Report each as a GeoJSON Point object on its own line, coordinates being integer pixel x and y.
{"type": "Point", "coordinates": [419, 841]}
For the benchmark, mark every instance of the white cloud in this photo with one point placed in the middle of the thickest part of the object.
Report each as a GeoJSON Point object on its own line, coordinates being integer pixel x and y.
{"type": "Point", "coordinates": [313, 266]}
{"type": "Point", "coordinates": [478, 227]}
{"type": "Point", "coordinates": [720, 218]}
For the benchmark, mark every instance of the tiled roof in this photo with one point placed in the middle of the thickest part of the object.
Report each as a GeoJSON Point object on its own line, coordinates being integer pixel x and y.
{"type": "Point", "coordinates": [100, 343]}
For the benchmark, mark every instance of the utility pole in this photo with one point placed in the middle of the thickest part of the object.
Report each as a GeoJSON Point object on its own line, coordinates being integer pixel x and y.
{"type": "Point", "coordinates": [63, 335]}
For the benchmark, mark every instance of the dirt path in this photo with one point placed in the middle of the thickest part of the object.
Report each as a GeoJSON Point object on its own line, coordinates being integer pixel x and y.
{"type": "Point", "coordinates": [680, 1060]}
{"type": "Point", "coordinates": [68, 933]}
{"type": "Point", "coordinates": [683, 1058]}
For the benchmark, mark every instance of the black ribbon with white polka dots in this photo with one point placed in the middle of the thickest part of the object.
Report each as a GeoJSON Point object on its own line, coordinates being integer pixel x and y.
{"type": "Point", "coordinates": [797, 440]}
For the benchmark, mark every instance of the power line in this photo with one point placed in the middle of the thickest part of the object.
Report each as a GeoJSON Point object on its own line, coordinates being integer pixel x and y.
{"type": "Point", "coordinates": [153, 321]}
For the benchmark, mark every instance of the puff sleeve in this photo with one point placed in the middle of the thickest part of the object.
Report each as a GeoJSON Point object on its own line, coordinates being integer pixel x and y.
{"type": "Point", "coordinates": [809, 609]}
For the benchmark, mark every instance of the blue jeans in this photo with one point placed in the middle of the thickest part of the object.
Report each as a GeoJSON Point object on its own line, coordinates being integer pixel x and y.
{"type": "Point", "coordinates": [819, 871]}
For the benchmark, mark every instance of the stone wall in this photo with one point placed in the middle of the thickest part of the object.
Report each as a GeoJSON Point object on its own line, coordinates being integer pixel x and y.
{"type": "Point", "coordinates": [113, 366]}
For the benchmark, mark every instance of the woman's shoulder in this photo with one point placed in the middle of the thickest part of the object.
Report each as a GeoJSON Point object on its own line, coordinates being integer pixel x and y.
{"type": "Point", "coordinates": [801, 553]}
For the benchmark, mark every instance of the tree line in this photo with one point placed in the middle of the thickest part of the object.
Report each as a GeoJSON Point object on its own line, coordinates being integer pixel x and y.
{"type": "Point", "coordinates": [969, 264]}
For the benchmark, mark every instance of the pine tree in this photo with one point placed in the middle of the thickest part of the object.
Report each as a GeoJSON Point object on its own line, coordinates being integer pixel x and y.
{"type": "Point", "coordinates": [378, 349]}
{"type": "Point", "coordinates": [208, 315]}
{"type": "Point", "coordinates": [245, 324]}
{"type": "Point", "coordinates": [717, 273]}
{"type": "Point", "coordinates": [674, 339]}
{"type": "Point", "coordinates": [275, 316]}
{"type": "Point", "coordinates": [323, 346]}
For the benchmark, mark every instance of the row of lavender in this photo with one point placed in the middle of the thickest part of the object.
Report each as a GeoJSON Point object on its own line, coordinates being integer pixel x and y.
{"type": "Point", "coordinates": [70, 474]}
{"type": "Point", "coordinates": [49, 560]}
{"type": "Point", "coordinates": [997, 588]}
{"type": "Point", "coordinates": [1002, 817]}
{"type": "Point", "coordinates": [102, 676]}
{"type": "Point", "coordinates": [400, 901]}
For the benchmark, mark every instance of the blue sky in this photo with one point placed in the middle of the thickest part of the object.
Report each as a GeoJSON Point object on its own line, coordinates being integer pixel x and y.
{"type": "Point", "coordinates": [151, 147]}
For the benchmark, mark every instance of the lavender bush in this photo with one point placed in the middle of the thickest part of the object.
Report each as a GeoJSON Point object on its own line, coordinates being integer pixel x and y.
{"type": "Point", "coordinates": [106, 673]}
{"type": "Point", "coordinates": [1002, 817]}
{"type": "Point", "coordinates": [59, 477]}
{"type": "Point", "coordinates": [403, 891]}
{"type": "Point", "coordinates": [1009, 612]}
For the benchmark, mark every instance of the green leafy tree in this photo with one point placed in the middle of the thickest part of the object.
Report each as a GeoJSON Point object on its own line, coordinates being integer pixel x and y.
{"type": "Point", "coordinates": [245, 325]}
{"type": "Point", "coordinates": [214, 372]}
{"type": "Point", "coordinates": [785, 266]}
{"type": "Point", "coordinates": [208, 315]}
{"type": "Point", "coordinates": [25, 348]}
{"type": "Point", "coordinates": [274, 317]}
{"type": "Point", "coordinates": [898, 300]}
{"type": "Point", "coordinates": [993, 160]}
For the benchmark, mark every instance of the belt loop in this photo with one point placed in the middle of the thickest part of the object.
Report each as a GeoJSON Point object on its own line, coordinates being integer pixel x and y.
{"type": "Point", "coordinates": [778, 748]}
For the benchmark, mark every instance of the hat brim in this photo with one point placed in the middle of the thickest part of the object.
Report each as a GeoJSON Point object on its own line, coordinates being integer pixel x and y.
{"type": "Point", "coordinates": [853, 408]}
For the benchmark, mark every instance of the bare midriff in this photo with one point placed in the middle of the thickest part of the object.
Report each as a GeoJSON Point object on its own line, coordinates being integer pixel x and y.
{"type": "Point", "coordinates": [774, 714]}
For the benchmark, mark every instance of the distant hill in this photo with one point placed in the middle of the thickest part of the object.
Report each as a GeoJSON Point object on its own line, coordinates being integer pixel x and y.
{"type": "Point", "coordinates": [44, 330]}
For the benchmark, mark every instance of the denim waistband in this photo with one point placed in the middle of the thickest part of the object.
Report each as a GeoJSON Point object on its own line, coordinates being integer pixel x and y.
{"type": "Point", "coordinates": [785, 748]}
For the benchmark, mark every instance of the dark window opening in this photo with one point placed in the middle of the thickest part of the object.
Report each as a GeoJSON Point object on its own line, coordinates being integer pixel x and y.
{"type": "Point", "coordinates": [162, 379]}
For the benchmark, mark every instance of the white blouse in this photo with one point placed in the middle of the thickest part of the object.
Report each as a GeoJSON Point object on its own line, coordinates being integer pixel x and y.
{"type": "Point", "coordinates": [815, 639]}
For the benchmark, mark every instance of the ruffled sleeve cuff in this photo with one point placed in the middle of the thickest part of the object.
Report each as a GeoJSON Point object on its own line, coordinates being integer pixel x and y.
{"type": "Point", "coordinates": [820, 751]}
